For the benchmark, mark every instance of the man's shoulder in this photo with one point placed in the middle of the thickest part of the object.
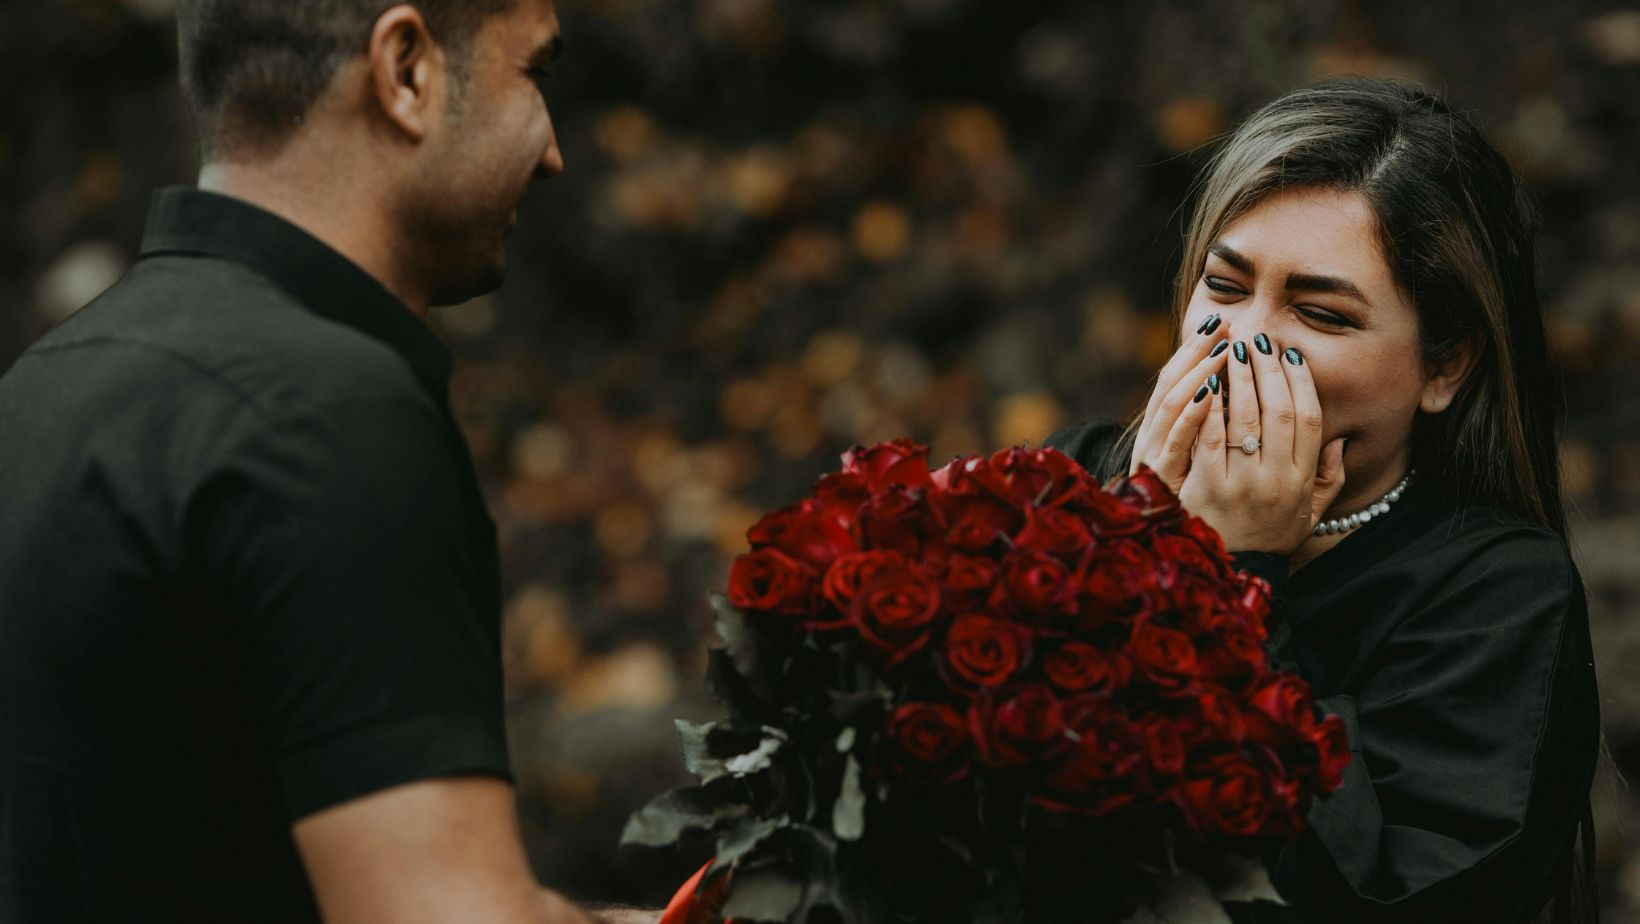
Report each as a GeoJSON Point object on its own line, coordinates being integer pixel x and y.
{"type": "Point", "coordinates": [184, 327]}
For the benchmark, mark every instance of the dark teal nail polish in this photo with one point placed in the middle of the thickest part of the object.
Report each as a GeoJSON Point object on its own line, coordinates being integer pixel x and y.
{"type": "Point", "coordinates": [1263, 344]}
{"type": "Point", "coordinates": [1213, 382]}
{"type": "Point", "coordinates": [1294, 357]}
{"type": "Point", "coordinates": [1200, 394]}
{"type": "Point", "coordinates": [1223, 345]}
{"type": "Point", "coordinates": [1211, 325]}
{"type": "Point", "coordinates": [1209, 320]}
{"type": "Point", "coordinates": [1240, 352]}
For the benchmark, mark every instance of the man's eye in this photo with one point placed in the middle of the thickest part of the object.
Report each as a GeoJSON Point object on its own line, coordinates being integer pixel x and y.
{"type": "Point", "coordinates": [1218, 285]}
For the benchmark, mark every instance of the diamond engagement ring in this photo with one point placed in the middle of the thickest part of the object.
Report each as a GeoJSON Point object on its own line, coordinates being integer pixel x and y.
{"type": "Point", "coordinates": [1250, 445]}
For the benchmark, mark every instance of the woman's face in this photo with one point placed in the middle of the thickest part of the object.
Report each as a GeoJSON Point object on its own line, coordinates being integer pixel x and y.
{"type": "Point", "coordinates": [1304, 267]}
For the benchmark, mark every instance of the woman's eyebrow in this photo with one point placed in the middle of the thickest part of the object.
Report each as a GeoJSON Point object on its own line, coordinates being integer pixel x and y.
{"type": "Point", "coordinates": [1296, 282]}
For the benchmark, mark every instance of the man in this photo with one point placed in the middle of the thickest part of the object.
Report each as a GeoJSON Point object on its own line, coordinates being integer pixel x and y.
{"type": "Point", "coordinates": [249, 640]}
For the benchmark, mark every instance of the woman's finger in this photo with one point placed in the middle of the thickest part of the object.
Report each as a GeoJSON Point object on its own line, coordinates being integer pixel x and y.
{"type": "Point", "coordinates": [1194, 348]}
{"type": "Point", "coordinates": [1155, 439]}
{"type": "Point", "coordinates": [1275, 401]}
{"type": "Point", "coordinates": [1306, 408]}
{"type": "Point", "coordinates": [1244, 414]}
{"type": "Point", "coordinates": [1174, 461]}
{"type": "Point", "coordinates": [1211, 441]}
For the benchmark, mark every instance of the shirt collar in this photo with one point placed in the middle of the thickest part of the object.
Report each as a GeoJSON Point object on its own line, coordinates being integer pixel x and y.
{"type": "Point", "coordinates": [183, 220]}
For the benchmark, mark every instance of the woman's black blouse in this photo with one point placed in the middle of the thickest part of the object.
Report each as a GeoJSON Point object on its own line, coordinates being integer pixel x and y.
{"type": "Point", "coordinates": [1455, 646]}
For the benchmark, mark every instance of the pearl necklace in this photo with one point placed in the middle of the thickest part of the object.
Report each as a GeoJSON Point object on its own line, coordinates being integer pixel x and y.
{"type": "Point", "coordinates": [1354, 520]}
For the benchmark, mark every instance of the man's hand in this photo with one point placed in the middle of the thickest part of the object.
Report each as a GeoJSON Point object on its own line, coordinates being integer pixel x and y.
{"type": "Point", "coordinates": [428, 852]}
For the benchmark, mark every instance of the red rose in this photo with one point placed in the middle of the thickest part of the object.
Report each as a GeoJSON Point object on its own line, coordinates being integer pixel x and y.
{"type": "Point", "coordinates": [1120, 584]}
{"type": "Point", "coordinates": [1094, 776]}
{"type": "Point", "coordinates": [1210, 541]}
{"type": "Point", "coordinates": [899, 519]}
{"type": "Point", "coordinates": [1214, 718]}
{"type": "Point", "coordinates": [900, 463]}
{"type": "Point", "coordinates": [969, 492]}
{"type": "Point", "coordinates": [895, 612]}
{"type": "Point", "coordinates": [1019, 728]}
{"type": "Point", "coordinates": [1041, 477]}
{"type": "Point", "coordinates": [1145, 492]}
{"type": "Point", "coordinates": [1036, 583]}
{"type": "Point", "coordinates": [839, 496]}
{"type": "Point", "coordinates": [804, 532]}
{"type": "Point", "coordinates": [1184, 552]}
{"type": "Point", "coordinates": [854, 570]}
{"type": "Point", "coordinates": [1230, 656]}
{"type": "Point", "coordinates": [927, 743]}
{"type": "Point", "coordinates": [1164, 657]}
{"type": "Point", "coordinates": [974, 533]}
{"type": "Point", "coordinates": [1253, 600]}
{"type": "Point", "coordinates": [1332, 745]}
{"type": "Point", "coordinates": [1164, 747]}
{"type": "Point", "coordinates": [769, 581]}
{"type": "Point", "coordinates": [1225, 795]}
{"type": "Point", "coordinates": [1110, 518]}
{"type": "Point", "coordinates": [1282, 710]}
{"type": "Point", "coordinates": [1077, 667]}
{"type": "Point", "coordinates": [981, 652]}
{"type": "Point", "coordinates": [968, 580]}
{"type": "Point", "coordinates": [1054, 531]}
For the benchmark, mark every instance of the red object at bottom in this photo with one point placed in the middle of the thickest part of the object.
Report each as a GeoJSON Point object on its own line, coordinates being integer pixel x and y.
{"type": "Point", "coordinates": [695, 905]}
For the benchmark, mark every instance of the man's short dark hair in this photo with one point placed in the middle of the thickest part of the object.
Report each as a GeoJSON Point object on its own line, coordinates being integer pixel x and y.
{"type": "Point", "coordinates": [251, 69]}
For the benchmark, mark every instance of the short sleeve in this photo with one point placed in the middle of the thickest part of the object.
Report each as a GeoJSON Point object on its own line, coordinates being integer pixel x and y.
{"type": "Point", "coordinates": [343, 551]}
{"type": "Point", "coordinates": [1473, 745]}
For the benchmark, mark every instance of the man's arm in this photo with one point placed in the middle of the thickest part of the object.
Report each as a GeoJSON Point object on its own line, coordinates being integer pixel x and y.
{"type": "Point", "coordinates": [428, 852]}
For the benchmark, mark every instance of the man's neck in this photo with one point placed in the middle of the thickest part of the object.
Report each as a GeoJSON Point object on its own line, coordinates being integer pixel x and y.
{"type": "Point", "coordinates": [343, 217]}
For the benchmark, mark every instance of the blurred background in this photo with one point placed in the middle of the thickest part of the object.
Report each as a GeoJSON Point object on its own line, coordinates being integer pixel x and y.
{"type": "Point", "coordinates": [789, 226]}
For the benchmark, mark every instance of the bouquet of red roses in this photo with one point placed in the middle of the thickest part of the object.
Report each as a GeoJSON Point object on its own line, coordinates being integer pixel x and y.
{"type": "Point", "coordinates": [993, 692]}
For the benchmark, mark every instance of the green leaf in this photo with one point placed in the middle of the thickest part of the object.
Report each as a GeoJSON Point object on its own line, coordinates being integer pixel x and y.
{"type": "Point", "coordinates": [845, 741]}
{"type": "Point", "coordinates": [671, 814]}
{"type": "Point", "coordinates": [848, 813]}
{"type": "Point", "coordinates": [697, 756]}
{"type": "Point", "coordinates": [1237, 878]}
{"type": "Point", "coordinates": [743, 839]}
{"type": "Point", "coordinates": [737, 636]}
{"type": "Point", "coordinates": [763, 893]}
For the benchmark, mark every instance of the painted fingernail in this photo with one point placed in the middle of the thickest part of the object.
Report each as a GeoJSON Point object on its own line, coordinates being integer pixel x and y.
{"type": "Point", "coordinates": [1210, 325]}
{"type": "Point", "coordinates": [1293, 356]}
{"type": "Point", "coordinates": [1213, 382]}
{"type": "Point", "coordinates": [1200, 394]}
{"type": "Point", "coordinates": [1223, 345]}
{"type": "Point", "coordinates": [1240, 352]}
{"type": "Point", "coordinates": [1263, 344]}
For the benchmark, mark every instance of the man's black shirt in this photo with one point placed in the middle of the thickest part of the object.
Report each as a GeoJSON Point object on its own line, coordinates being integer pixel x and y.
{"type": "Point", "coordinates": [246, 574]}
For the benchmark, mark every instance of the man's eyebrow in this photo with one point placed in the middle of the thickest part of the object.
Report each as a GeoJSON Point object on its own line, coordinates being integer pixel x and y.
{"type": "Point", "coordinates": [548, 53]}
{"type": "Point", "coordinates": [1296, 282]}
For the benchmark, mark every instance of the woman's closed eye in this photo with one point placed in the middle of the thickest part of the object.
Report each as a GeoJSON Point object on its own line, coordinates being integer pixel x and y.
{"type": "Point", "coordinates": [1221, 286]}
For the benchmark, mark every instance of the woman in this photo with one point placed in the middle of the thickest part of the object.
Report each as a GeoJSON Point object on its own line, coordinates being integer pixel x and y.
{"type": "Point", "coordinates": [1361, 403]}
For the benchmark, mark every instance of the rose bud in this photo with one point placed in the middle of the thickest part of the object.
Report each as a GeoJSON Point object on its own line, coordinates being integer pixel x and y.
{"type": "Point", "coordinates": [1119, 585]}
{"type": "Point", "coordinates": [1332, 745]}
{"type": "Point", "coordinates": [1230, 656]}
{"type": "Point", "coordinates": [769, 581]}
{"type": "Point", "coordinates": [899, 463]}
{"type": "Point", "coordinates": [1109, 518]}
{"type": "Point", "coordinates": [1166, 658]}
{"type": "Point", "coordinates": [1164, 748]}
{"type": "Point", "coordinates": [1282, 711]}
{"type": "Point", "coordinates": [1036, 583]}
{"type": "Point", "coordinates": [968, 580]}
{"type": "Point", "coordinates": [900, 519]}
{"type": "Point", "coordinates": [1145, 492]}
{"type": "Point", "coordinates": [854, 570]}
{"type": "Point", "coordinates": [1077, 667]}
{"type": "Point", "coordinates": [804, 532]}
{"type": "Point", "coordinates": [927, 743]}
{"type": "Point", "coordinates": [1225, 795]}
{"type": "Point", "coordinates": [1012, 730]}
{"type": "Point", "coordinates": [895, 612]}
{"type": "Point", "coordinates": [1056, 531]}
{"type": "Point", "coordinates": [1213, 718]}
{"type": "Point", "coordinates": [981, 652]}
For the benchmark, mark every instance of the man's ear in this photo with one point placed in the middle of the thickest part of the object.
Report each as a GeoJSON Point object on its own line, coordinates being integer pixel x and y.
{"type": "Point", "coordinates": [1445, 376]}
{"type": "Point", "coordinates": [407, 74]}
